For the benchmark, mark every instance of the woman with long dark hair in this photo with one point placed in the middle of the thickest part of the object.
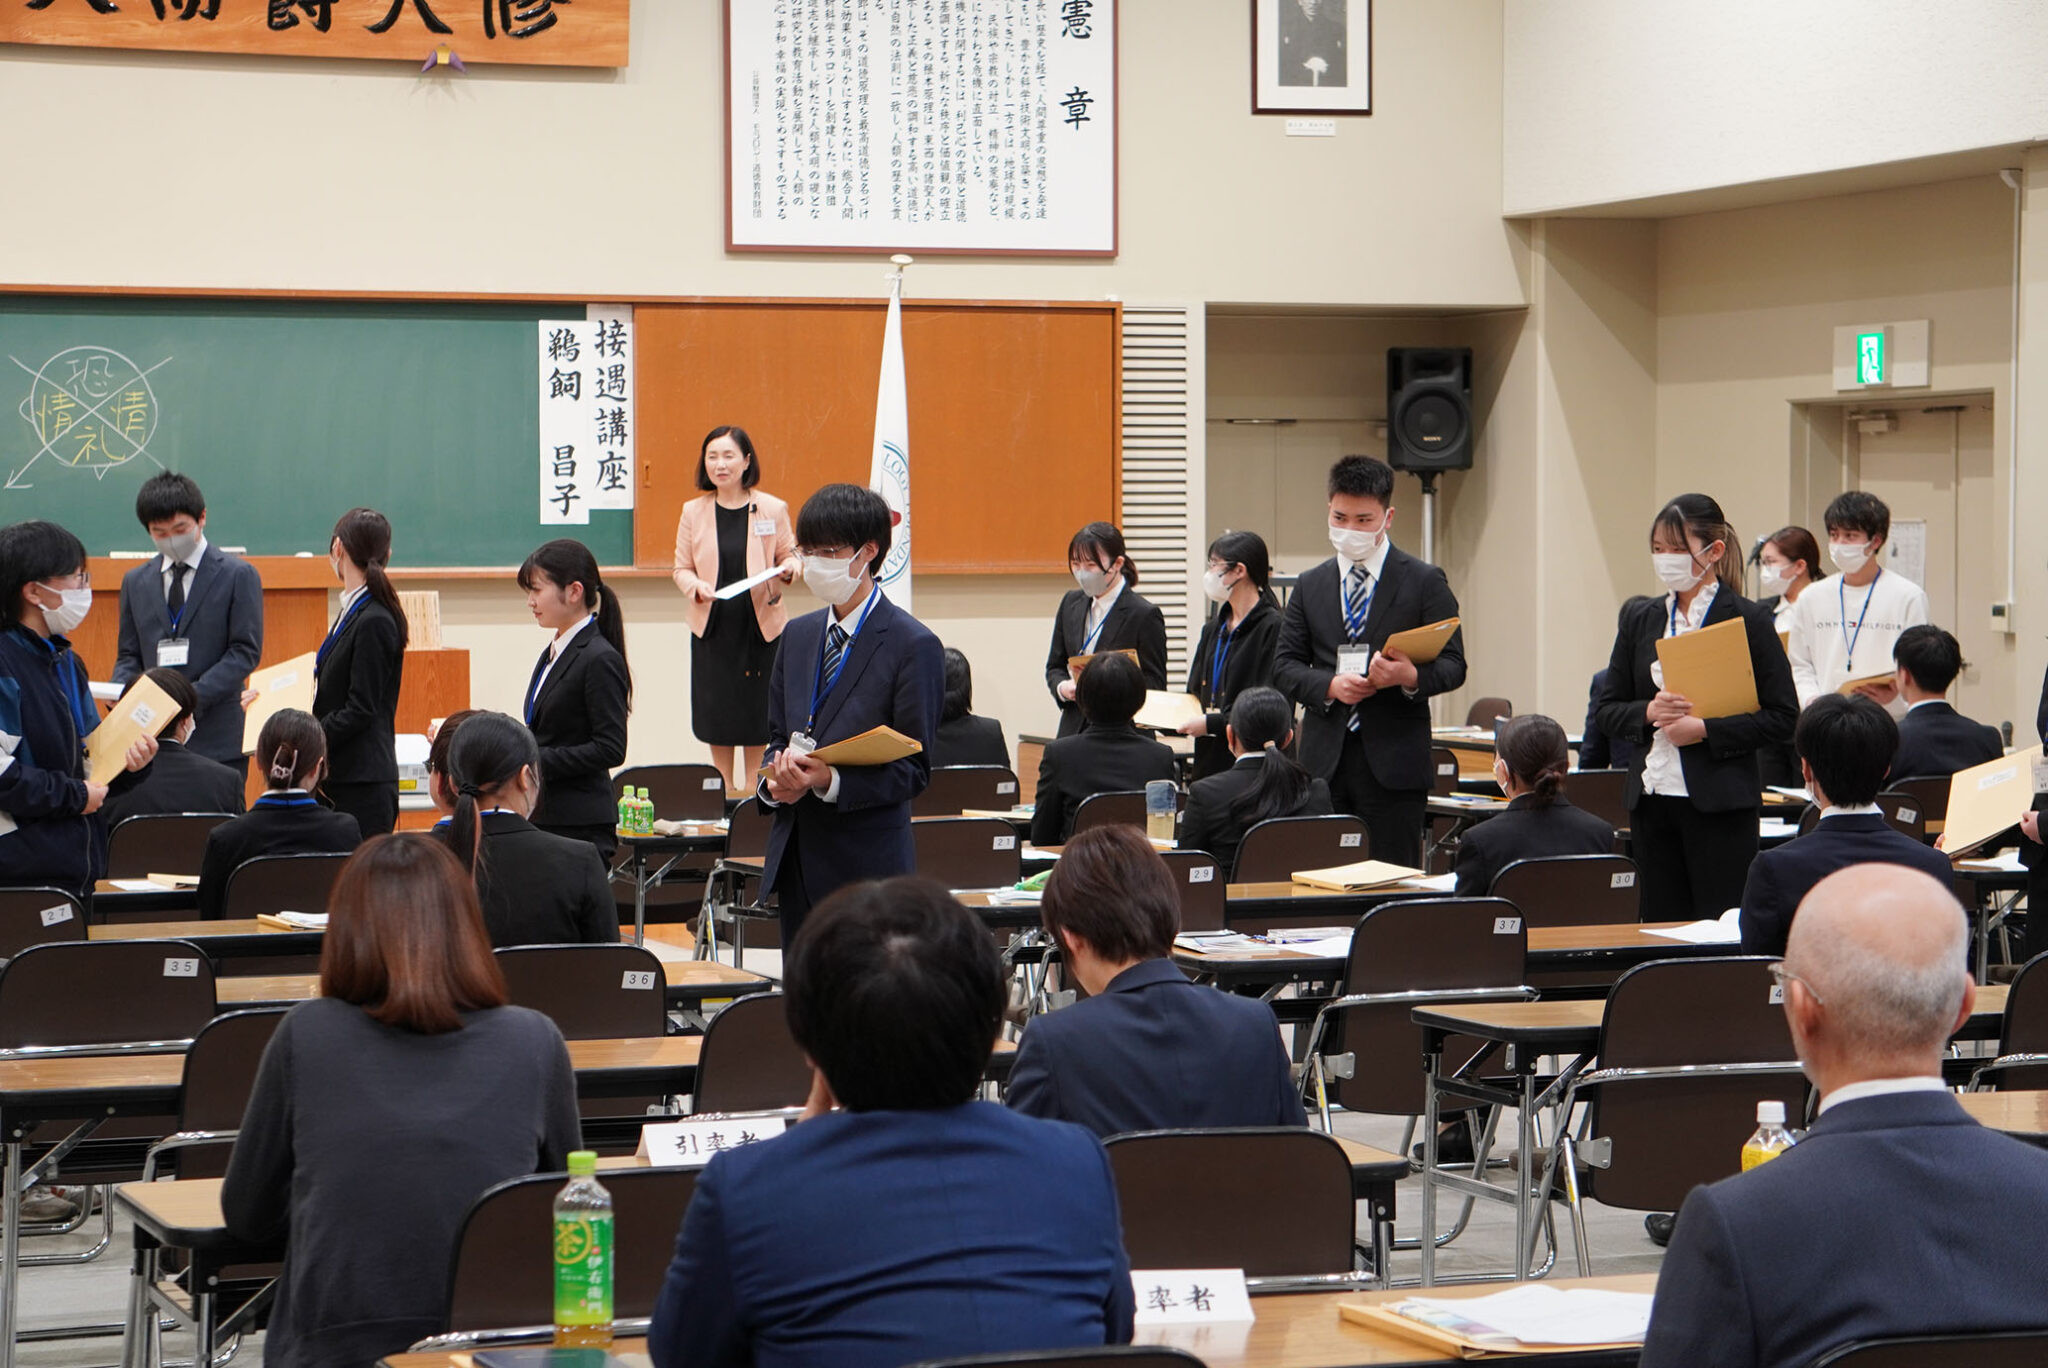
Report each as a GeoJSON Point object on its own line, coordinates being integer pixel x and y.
{"type": "Point", "coordinates": [1263, 782]}
{"type": "Point", "coordinates": [1105, 613]}
{"type": "Point", "coordinates": [580, 693]}
{"type": "Point", "coordinates": [1235, 652]}
{"type": "Point", "coordinates": [1531, 762]}
{"type": "Point", "coordinates": [357, 673]}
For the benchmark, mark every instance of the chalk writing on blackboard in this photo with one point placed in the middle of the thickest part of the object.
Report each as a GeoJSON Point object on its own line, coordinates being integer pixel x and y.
{"type": "Point", "coordinates": [90, 408]}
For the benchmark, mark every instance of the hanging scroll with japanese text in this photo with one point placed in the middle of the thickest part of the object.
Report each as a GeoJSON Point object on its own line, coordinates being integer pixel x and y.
{"type": "Point", "coordinates": [588, 33]}
{"type": "Point", "coordinates": [922, 125]}
{"type": "Point", "coordinates": [587, 421]}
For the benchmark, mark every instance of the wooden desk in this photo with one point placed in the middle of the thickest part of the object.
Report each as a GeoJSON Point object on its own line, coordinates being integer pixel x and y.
{"type": "Point", "coordinates": [225, 939]}
{"type": "Point", "coordinates": [2021, 1114]}
{"type": "Point", "coordinates": [108, 900]}
{"type": "Point", "coordinates": [690, 983]}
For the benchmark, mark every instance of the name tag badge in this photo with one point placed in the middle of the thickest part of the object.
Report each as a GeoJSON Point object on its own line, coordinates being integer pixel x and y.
{"type": "Point", "coordinates": [172, 652]}
{"type": "Point", "coordinates": [764, 527]}
{"type": "Point", "coordinates": [802, 743]}
{"type": "Point", "coordinates": [1354, 659]}
{"type": "Point", "coordinates": [2041, 774]}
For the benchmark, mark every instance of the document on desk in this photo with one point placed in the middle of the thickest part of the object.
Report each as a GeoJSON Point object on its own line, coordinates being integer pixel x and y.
{"type": "Point", "coordinates": [1527, 1317]}
{"type": "Point", "coordinates": [1723, 930]}
{"type": "Point", "coordinates": [1164, 710]}
{"type": "Point", "coordinates": [1986, 801]}
{"type": "Point", "coordinates": [1352, 878]}
{"type": "Point", "coordinates": [1712, 668]}
{"type": "Point", "coordinates": [738, 587]}
{"type": "Point", "coordinates": [288, 684]}
{"type": "Point", "coordinates": [2004, 862]}
{"type": "Point", "coordinates": [144, 711]}
{"type": "Point", "coordinates": [1423, 644]}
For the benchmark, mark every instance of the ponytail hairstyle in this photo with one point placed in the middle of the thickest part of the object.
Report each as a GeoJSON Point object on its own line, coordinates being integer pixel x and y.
{"type": "Point", "coordinates": [1534, 749]}
{"type": "Point", "coordinates": [1249, 550]}
{"type": "Point", "coordinates": [1101, 543]}
{"type": "Point", "coordinates": [437, 754]}
{"type": "Point", "coordinates": [1262, 718]}
{"type": "Point", "coordinates": [566, 561]}
{"type": "Point", "coordinates": [486, 755]}
{"type": "Point", "coordinates": [1697, 517]}
{"type": "Point", "coordinates": [365, 537]}
{"type": "Point", "coordinates": [290, 749]}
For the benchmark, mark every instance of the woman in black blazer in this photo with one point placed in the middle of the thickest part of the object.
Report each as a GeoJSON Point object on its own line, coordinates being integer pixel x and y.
{"type": "Point", "coordinates": [963, 738]}
{"type": "Point", "coordinates": [537, 888]}
{"type": "Point", "coordinates": [1104, 614]}
{"type": "Point", "coordinates": [1236, 649]}
{"type": "Point", "coordinates": [1788, 564]}
{"type": "Point", "coordinates": [1264, 782]}
{"type": "Point", "coordinates": [1110, 756]}
{"type": "Point", "coordinates": [287, 820]}
{"type": "Point", "coordinates": [1530, 761]}
{"type": "Point", "coordinates": [357, 673]}
{"type": "Point", "coordinates": [1694, 793]}
{"type": "Point", "coordinates": [579, 695]}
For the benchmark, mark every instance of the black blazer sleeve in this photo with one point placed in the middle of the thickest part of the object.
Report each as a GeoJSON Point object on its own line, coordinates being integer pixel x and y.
{"type": "Point", "coordinates": [1624, 706]}
{"type": "Point", "coordinates": [1056, 654]}
{"type": "Point", "coordinates": [1595, 751]}
{"type": "Point", "coordinates": [128, 658]}
{"type": "Point", "coordinates": [1207, 812]}
{"type": "Point", "coordinates": [220, 684]}
{"type": "Point", "coordinates": [1151, 643]}
{"type": "Point", "coordinates": [1297, 671]}
{"type": "Point", "coordinates": [1447, 671]}
{"type": "Point", "coordinates": [375, 661]}
{"type": "Point", "coordinates": [1049, 804]}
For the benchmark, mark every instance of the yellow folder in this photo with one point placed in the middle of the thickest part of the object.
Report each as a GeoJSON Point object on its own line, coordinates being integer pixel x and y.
{"type": "Point", "coordinates": [1078, 663]}
{"type": "Point", "coordinates": [1351, 878]}
{"type": "Point", "coordinates": [144, 710]}
{"type": "Point", "coordinates": [287, 684]}
{"type": "Point", "coordinates": [1711, 667]}
{"type": "Point", "coordinates": [876, 746]}
{"type": "Point", "coordinates": [1850, 686]}
{"type": "Point", "coordinates": [1986, 800]}
{"type": "Point", "coordinates": [1423, 644]}
{"type": "Point", "coordinates": [1165, 710]}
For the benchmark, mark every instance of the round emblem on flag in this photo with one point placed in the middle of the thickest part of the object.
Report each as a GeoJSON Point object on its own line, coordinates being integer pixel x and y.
{"type": "Point", "coordinates": [893, 484]}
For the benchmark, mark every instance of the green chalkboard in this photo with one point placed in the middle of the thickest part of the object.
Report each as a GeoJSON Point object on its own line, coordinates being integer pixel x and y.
{"type": "Point", "coordinates": [287, 413]}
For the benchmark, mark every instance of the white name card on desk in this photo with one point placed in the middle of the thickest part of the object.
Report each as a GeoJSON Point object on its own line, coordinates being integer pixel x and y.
{"type": "Point", "coordinates": [1191, 1296]}
{"type": "Point", "coordinates": [690, 1144]}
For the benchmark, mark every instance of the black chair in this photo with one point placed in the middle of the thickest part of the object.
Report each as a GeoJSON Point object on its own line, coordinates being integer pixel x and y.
{"type": "Point", "coordinates": [750, 1061]}
{"type": "Point", "coordinates": [1204, 897]}
{"type": "Point", "coordinates": [1443, 771]}
{"type": "Point", "coordinates": [955, 788]}
{"type": "Point", "coordinates": [1108, 1356]}
{"type": "Point", "coordinates": [160, 843]}
{"type": "Point", "coordinates": [1600, 793]}
{"type": "Point", "coordinates": [1571, 890]}
{"type": "Point", "coordinates": [1487, 712]}
{"type": "Point", "coordinates": [1906, 813]}
{"type": "Point", "coordinates": [1274, 850]}
{"type": "Point", "coordinates": [967, 852]}
{"type": "Point", "coordinates": [220, 1073]}
{"type": "Point", "coordinates": [680, 793]}
{"type": "Point", "coordinates": [591, 992]}
{"type": "Point", "coordinates": [38, 916]}
{"type": "Point", "coordinates": [1928, 792]}
{"type": "Point", "coordinates": [2022, 1060]}
{"type": "Point", "coordinates": [1985, 1349]}
{"type": "Point", "coordinates": [1809, 818]}
{"type": "Point", "coordinates": [736, 898]}
{"type": "Point", "coordinates": [270, 884]}
{"type": "Point", "coordinates": [1122, 808]}
{"type": "Point", "coordinates": [105, 993]}
{"type": "Point", "coordinates": [1274, 1201]}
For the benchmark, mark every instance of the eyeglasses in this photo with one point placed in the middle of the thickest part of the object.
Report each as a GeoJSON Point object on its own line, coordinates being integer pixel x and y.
{"type": "Point", "coordinates": [1779, 973]}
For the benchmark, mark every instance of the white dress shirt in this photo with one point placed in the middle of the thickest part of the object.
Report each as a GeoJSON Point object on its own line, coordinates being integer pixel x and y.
{"type": "Point", "coordinates": [1663, 771]}
{"type": "Point", "coordinates": [1880, 1087]}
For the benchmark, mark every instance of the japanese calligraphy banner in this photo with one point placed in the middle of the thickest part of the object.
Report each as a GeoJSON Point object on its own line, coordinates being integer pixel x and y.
{"type": "Point", "coordinates": [589, 33]}
{"type": "Point", "coordinates": [930, 125]}
{"type": "Point", "coordinates": [586, 416]}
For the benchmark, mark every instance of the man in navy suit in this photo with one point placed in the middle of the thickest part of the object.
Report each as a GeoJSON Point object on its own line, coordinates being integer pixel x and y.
{"type": "Point", "coordinates": [1365, 718]}
{"type": "Point", "coordinates": [901, 1220]}
{"type": "Point", "coordinates": [195, 609]}
{"type": "Point", "coordinates": [1149, 1049]}
{"type": "Point", "coordinates": [1934, 739]}
{"type": "Point", "coordinates": [859, 663]}
{"type": "Point", "coordinates": [1845, 746]}
{"type": "Point", "coordinates": [1897, 1214]}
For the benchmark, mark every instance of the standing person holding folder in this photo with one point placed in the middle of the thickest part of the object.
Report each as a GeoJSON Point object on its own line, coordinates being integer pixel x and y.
{"type": "Point", "coordinates": [356, 675]}
{"type": "Point", "coordinates": [580, 693]}
{"type": "Point", "coordinates": [1104, 614]}
{"type": "Point", "coordinates": [1694, 793]}
{"type": "Point", "coordinates": [1365, 718]}
{"type": "Point", "coordinates": [1235, 652]}
{"type": "Point", "coordinates": [855, 665]}
{"type": "Point", "coordinates": [730, 534]}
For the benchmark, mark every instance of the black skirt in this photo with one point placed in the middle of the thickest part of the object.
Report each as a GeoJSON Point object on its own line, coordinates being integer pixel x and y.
{"type": "Point", "coordinates": [730, 663]}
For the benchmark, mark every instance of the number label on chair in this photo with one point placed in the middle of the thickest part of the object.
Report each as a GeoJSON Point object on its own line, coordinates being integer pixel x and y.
{"type": "Point", "coordinates": [1349, 840]}
{"type": "Point", "coordinates": [52, 915]}
{"type": "Point", "coordinates": [1625, 879]}
{"type": "Point", "coordinates": [1006, 786]}
{"type": "Point", "coordinates": [1506, 926]}
{"type": "Point", "coordinates": [714, 783]}
{"type": "Point", "coordinates": [638, 978]}
{"type": "Point", "coordinates": [1909, 814]}
{"type": "Point", "coordinates": [1446, 771]}
{"type": "Point", "coordinates": [1201, 873]}
{"type": "Point", "coordinates": [1777, 998]}
{"type": "Point", "coordinates": [1006, 842]}
{"type": "Point", "coordinates": [181, 968]}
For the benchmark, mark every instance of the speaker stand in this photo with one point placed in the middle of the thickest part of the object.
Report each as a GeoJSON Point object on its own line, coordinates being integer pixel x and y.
{"type": "Point", "coordinates": [1428, 478]}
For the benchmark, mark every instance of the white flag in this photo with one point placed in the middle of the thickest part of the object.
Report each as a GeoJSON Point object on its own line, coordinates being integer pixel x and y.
{"type": "Point", "coordinates": [889, 475]}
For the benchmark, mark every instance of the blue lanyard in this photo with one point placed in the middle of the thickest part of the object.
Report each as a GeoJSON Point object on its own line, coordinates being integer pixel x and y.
{"type": "Point", "coordinates": [334, 632]}
{"type": "Point", "coordinates": [1088, 641]}
{"type": "Point", "coordinates": [1842, 599]}
{"type": "Point", "coordinates": [1226, 637]}
{"type": "Point", "coordinates": [821, 687]}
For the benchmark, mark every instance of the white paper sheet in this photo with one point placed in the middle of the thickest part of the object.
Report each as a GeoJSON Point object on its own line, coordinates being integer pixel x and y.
{"type": "Point", "coordinates": [1769, 829]}
{"type": "Point", "coordinates": [2004, 862]}
{"type": "Point", "coordinates": [1435, 883]}
{"type": "Point", "coordinates": [1532, 1314]}
{"type": "Point", "coordinates": [1726, 930]}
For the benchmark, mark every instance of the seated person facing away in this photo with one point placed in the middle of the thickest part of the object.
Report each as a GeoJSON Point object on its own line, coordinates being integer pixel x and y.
{"type": "Point", "coordinates": [963, 738]}
{"type": "Point", "coordinates": [1148, 1049]}
{"type": "Point", "coordinates": [1108, 755]}
{"type": "Point", "coordinates": [440, 739]}
{"type": "Point", "coordinates": [1897, 1214]}
{"type": "Point", "coordinates": [291, 753]}
{"type": "Point", "coordinates": [1530, 761]}
{"type": "Point", "coordinates": [181, 780]}
{"type": "Point", "coordinates": [537, 888]}
{"type": "Point", "coordinates": [1845, 746]}
{"type": "Point", "coordinates": [1264, 781]}
{"type": "Point", "coordinates": [1934, 739]}
{"type": "Point", "coordinates": [901, 1220]}
{"type": "Point", "coordinates": [384, 1107]}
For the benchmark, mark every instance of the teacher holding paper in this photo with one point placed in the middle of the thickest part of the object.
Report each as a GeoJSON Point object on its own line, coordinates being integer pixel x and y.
{"type": "Point", "coordinates": [1694, 792]}
{"type": "Point", "coordinates": [733, 533]}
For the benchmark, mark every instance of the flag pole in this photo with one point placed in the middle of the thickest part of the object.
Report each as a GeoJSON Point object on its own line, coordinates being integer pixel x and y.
{"type": "Point", "coordinates": [889, 470]}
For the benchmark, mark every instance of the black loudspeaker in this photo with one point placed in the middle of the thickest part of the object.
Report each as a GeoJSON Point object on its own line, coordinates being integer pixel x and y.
{"type": "Point", "coordinates": [1429, 408]}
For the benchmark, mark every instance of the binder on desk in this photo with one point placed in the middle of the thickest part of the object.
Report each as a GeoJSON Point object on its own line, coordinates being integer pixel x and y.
{"type": "Point", "coordinates": [144, 710]}
{"type": "Point", "coordinates": [1712, 668]}
{"type": "Point", "coordinates": [1423, 644]}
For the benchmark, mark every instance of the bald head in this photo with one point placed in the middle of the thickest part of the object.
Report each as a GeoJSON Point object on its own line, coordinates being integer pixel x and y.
{"type": "Point", "coordinates": [1883, 949]}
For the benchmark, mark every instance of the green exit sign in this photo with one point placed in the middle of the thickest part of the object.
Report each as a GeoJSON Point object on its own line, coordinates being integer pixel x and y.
{"type": "Point", "coordinates": [1870, 358]}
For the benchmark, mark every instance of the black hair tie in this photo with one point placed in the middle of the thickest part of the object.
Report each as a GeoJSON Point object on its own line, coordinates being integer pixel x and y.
{"type": "Point", "coordinates": [470, 790]}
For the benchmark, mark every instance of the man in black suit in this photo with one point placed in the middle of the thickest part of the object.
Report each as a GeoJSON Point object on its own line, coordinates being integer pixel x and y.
{"type": "Point", "coordinates": [181, 780]}
{"type": "Point", "coordinates": [1148, 1049]}
{"type": "Point", "coordinates": [1897, 1214]}
{"type": "Point", "coordinates": [1845, 746]}
{"type": "Point", "coordinates": [1365, 719]}
{"type": "Point", "coordinates": [1109, 755]}
{"type": "Point", "coordinates": [857, 664]}
{"type": "Point", "coordinates": [1935, 739]}
{"type": "Point", "coordinates": [195, 609]}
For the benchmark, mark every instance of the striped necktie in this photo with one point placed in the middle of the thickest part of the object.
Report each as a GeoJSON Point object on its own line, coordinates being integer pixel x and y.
{"type": "Point", "coordinates": [835, 647]}
{"type": "Point", "coordinates": [1356, 602]}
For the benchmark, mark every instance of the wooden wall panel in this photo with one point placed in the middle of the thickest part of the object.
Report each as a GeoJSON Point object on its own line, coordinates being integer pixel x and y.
{"type": "Point", "coordinates": [1013, 416]}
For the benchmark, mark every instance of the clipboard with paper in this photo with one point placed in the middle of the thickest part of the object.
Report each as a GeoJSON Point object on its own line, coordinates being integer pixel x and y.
{"type": "Point", "coordinates": [1711, 668]}
{"type": "Point", "coordinates": [1423, 644]}
{"type": "Point", "coordinates": [287, 684]}
{"type": "Point", "coordinates": [144, 710]}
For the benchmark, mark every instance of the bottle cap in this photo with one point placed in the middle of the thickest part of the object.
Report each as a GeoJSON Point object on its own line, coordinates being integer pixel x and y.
{"type": "Point", "coordinates": [583, 1163]}
{"type": "Point", "coordinates": [643, 793]}
{"type": "Point", "coordinates": [1771, 1113]}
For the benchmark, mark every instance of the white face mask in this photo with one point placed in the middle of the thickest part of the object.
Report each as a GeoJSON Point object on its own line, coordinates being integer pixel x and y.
{"type": "Point", "coordinates": [1354, 545]}
{"type": "Point", "coordinates": [65, 617]}
{"type": "Point", "coordinates": [1849, 557]}
{"type": "Point", "coordinates": [1678, 571]}
{"type": "Point", "coordinates": [1093, 579]}
{"type": "Point", "coordinates": [1214, 587]}
{"type": "Point", "coordinates": [832, 580]}
{"type": "Point", "coordinates": [1773, 579]}
{"type": "Point", "coordinates": [177, 546]}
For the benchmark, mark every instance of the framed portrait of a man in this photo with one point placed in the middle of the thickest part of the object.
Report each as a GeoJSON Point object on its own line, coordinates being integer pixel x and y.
{"type": "Point", "coordinates": [1312, 56]}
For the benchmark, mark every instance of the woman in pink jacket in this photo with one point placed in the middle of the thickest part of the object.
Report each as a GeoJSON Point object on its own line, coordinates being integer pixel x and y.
{"type": "Point", "coordinates": [732, 533]}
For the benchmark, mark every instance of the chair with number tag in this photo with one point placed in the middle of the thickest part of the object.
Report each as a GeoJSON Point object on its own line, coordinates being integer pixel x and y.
{"type": "Point", "coordinates": [590, 992]}
{"type": "Point", "coordinates": [1571, 890]}
{"type": "Point", "coordinates": [955, 788]}
{"type": "Point", "coordinates": [37, 916]}
{"type": "Point", "coordinates": [1928, 794]}
{"type": "Point", "coordinates": [1204, 897]}
{"type": "Point", "coordinates": [1905, 812]}
{"type": "Point", "coordinates": [1275, 849]}
{"type": "Point", "coordinates": [967, 852]}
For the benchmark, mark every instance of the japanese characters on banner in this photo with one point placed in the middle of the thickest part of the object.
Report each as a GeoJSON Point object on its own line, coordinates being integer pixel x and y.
{"type": "Point", "coordinates": [961, 125]}
{"type": "Point", "coordinates": [586, 415]}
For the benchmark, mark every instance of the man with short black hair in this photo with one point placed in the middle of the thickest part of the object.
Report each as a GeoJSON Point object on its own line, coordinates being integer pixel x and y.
{"type": "Point", "coordinates": [1108, 754]}
{"type": "Point", "coordinates": [1934, 739]}
{"type": "Point", "coordinates": [901, 1220]}
{"type": "Point", "coordinates": [195, 609]}
{"type": "Point", "coordinates": [181, 780]}
{"type": "Point", "coordinates": [1846, 630]}
{"type": "Point", "coordinates": [1845, 747]}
